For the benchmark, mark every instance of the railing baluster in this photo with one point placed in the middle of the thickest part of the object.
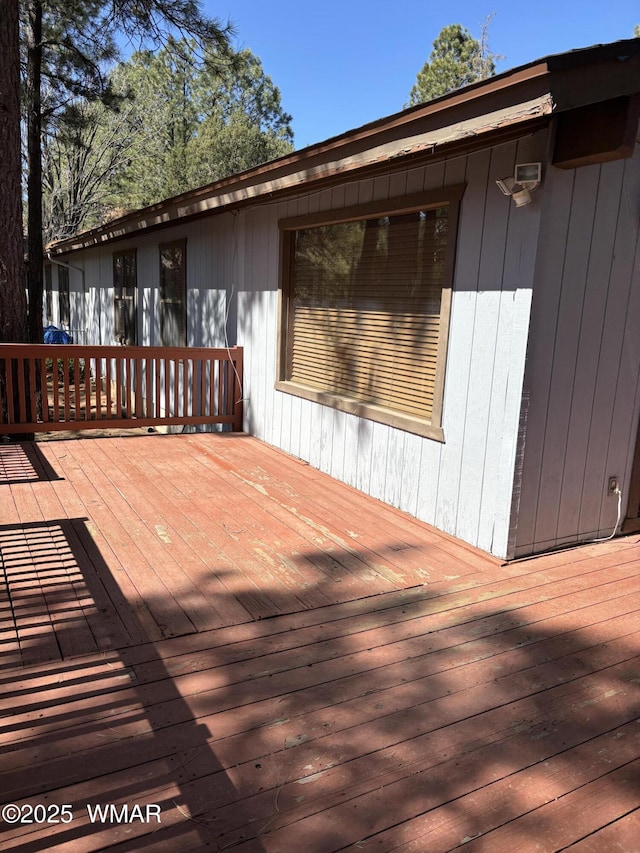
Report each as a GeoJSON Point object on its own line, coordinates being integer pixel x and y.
{"type": "Point", "coordinates": [22, 403]}
{"type": "Point", "coordinates": [107, 386]}
{"type": "Point", "coordinates": [119, 368]}
{"type": "Point", "coordinates": [222, 381]}
{"type": "Point", "coordinates": [186, 387]}
{"type": "Point", "coordinates": [87, 388]}
{"type": "Point", "coordinates": [44, 391]}
{"type": "Point", "coordinates": [3, 384]}
{"type": "Point", "coordinates": [166, 379]}
{"type": "Point", "coordinates": [33, 390]}
{"type": "Point", "coordinates": [97, 374]}
{"type": "Point", "coordinates": [202, 408]}
{"type": "Point", "coordinates": [236, 402]}
{"type": "Point", "coordinates": [55, 388]}
{"type": "Point", "coordinates": [77, 396]}
{"type": "Point", "coordinates": [11, 392]}
{"type": "Point", "coordinates": [129, 387]}
{"type": "Point", "coordinates": [137, 366]}
{"type": "Point", "coordinates": [176, 388]}
{"type": "Point", "coordinates": [66, 380]}
{"type": "Point", "coordinates": [8, 374]}
{"type": "Point", "coordinates": [149, 387]}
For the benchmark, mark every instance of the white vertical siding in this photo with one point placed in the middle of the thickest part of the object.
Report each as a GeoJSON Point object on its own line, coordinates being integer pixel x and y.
{"type": "Point", "coordinates": [212, 251]}
{"type": "Point", "coordinates": [514, 270]}
{"type": "Point", "coordinates": [463, 485]}
{"type": "Point", "coordinates": [584, 356]}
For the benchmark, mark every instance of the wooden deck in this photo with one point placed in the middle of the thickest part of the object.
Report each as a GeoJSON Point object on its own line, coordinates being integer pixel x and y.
{"type": "Point", "coordinates": [274, 662]}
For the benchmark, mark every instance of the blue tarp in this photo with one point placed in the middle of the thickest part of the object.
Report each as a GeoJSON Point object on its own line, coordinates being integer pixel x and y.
{"type": "Point", "coordinates": [53, 335]}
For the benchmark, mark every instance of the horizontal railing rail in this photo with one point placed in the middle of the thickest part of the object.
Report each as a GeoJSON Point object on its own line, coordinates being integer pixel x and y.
{"type": "Point", "coordinates": [73, 387]}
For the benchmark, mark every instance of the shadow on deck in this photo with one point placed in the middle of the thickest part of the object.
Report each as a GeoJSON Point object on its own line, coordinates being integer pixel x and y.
{"type": "Point", "coordinates": [491, 710]}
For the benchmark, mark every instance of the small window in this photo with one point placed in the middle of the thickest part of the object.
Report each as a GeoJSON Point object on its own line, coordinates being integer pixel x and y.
{"type": "Point", "coordinates": [63, 296]}
{"type": "Point", "coordinates": [125, 297]}
{"type": "Point", "coordinates": [173, 294]}
{"type": "Point", "coordinates": [366, 296]}
{"type": "Point", "coordinates": [48, 293]}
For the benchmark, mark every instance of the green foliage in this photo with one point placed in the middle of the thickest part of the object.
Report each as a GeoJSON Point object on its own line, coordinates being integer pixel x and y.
{"type": "Point", "coordinates": [636, 31]}
{"type": "Point", "coordinates": [75, 48]}
{"type": "Point", "coordinates": [80, 42]}
{"type": "Point", "coordinates": [241, 121]}
{"type": "Point", "coordinates": [456, 60]}
{"type": "Point", "coordinates": [199, 117]}
{"type": "Point", "coordinates": [186, 117]}
{"type": "Point", "coordinates": [326, 261]}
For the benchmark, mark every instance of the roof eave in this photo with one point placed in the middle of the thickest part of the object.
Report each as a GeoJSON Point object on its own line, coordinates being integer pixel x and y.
{"type": "Point", "coordinates": [479, 111]}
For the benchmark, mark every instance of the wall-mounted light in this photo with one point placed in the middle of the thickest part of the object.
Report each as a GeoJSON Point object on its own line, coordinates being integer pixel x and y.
{"type": "Point", "coordinates": [527, 178]}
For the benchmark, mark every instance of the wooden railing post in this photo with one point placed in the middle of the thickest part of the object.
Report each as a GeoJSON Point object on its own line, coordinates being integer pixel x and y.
{"type": "Point", "coordinates": [237, 400]}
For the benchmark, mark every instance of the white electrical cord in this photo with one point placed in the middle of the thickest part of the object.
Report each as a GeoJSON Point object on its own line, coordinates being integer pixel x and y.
{"type": "Point", "coordinates": [617, 492]}
{"type": "Point", "coordinates": [234, 262]}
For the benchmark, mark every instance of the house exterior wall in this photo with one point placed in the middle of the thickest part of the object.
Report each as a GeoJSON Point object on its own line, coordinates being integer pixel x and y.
{"type": "Point", "coordinates": [464, 485]}
{"type": "Point", "coordinates": [209, 261]}
{"type": "Point", "coordinates": [581, 400]}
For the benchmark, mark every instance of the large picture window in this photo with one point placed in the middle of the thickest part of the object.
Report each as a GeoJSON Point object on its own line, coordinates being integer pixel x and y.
{"type": "Point", "coordinates": [173, 294]}
{"type": "Point", "coordinates": [365, 308]}
{"type": "Point", "coordinates": [125, 297]}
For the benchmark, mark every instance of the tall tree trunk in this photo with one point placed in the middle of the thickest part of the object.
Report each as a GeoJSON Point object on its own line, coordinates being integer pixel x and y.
{"type": "Point", "coordinates": [35, 249]}
{"type": "Point", "coordinates": [13, 303]}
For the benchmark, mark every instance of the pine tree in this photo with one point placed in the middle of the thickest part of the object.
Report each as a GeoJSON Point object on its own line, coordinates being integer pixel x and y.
{"type": "Point", "coordinates": [13, 305]}
{"type": "Point", "coordinates": [187, 118]}
{"type": "Point", "coordinates": [67, 45]}
{"type": "Point", "coordinates": [456, 60]}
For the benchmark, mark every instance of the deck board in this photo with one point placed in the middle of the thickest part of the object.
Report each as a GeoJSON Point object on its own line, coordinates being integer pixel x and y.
{"type": "Point", "coordinates": [406, 692]}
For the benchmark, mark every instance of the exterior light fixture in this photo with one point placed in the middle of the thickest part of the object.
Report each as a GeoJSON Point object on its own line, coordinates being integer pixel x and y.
{"type": "Point", "coordinates": [527, 178]}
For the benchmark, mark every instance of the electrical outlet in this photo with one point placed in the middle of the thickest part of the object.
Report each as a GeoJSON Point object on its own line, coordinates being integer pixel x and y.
{"type": "Point", "coordinates": [613, 486]}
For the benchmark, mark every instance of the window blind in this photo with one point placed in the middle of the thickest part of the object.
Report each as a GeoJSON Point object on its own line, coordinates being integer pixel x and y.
{"type": "Point", "coordinates": [365, 308]}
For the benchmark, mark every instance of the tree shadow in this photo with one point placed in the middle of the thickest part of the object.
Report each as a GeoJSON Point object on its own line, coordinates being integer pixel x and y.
{"type": "Point", "coordinates": [438, 721]}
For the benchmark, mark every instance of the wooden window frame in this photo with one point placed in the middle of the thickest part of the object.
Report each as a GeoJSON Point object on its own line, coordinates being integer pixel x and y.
{"type": "Point", "coordinates": [174, 244]}
{"type": "Point", "coordinates": [449, 197]}
{"type": "Point", "coordinates": [120, 254]}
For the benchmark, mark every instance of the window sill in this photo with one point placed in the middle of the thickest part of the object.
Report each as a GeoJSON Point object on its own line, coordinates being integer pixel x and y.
{"type": "Point", "coordinates": [371, 412]}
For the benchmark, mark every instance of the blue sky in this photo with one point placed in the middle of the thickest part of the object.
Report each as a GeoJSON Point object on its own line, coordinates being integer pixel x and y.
{"type": "Point", "coordinates": [342, 64]}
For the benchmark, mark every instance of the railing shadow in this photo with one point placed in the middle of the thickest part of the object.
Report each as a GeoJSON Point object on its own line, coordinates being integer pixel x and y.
{"type": "Point", "coordinates": [80, 715]}
{"type": "Point", "coordinates": [24, 463]}
{"type": "Point", "coordinates": [58, 599]}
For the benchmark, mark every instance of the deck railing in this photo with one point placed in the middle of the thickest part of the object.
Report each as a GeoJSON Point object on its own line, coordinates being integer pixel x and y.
{"type": "Point", "coordinates": [49, 387]}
